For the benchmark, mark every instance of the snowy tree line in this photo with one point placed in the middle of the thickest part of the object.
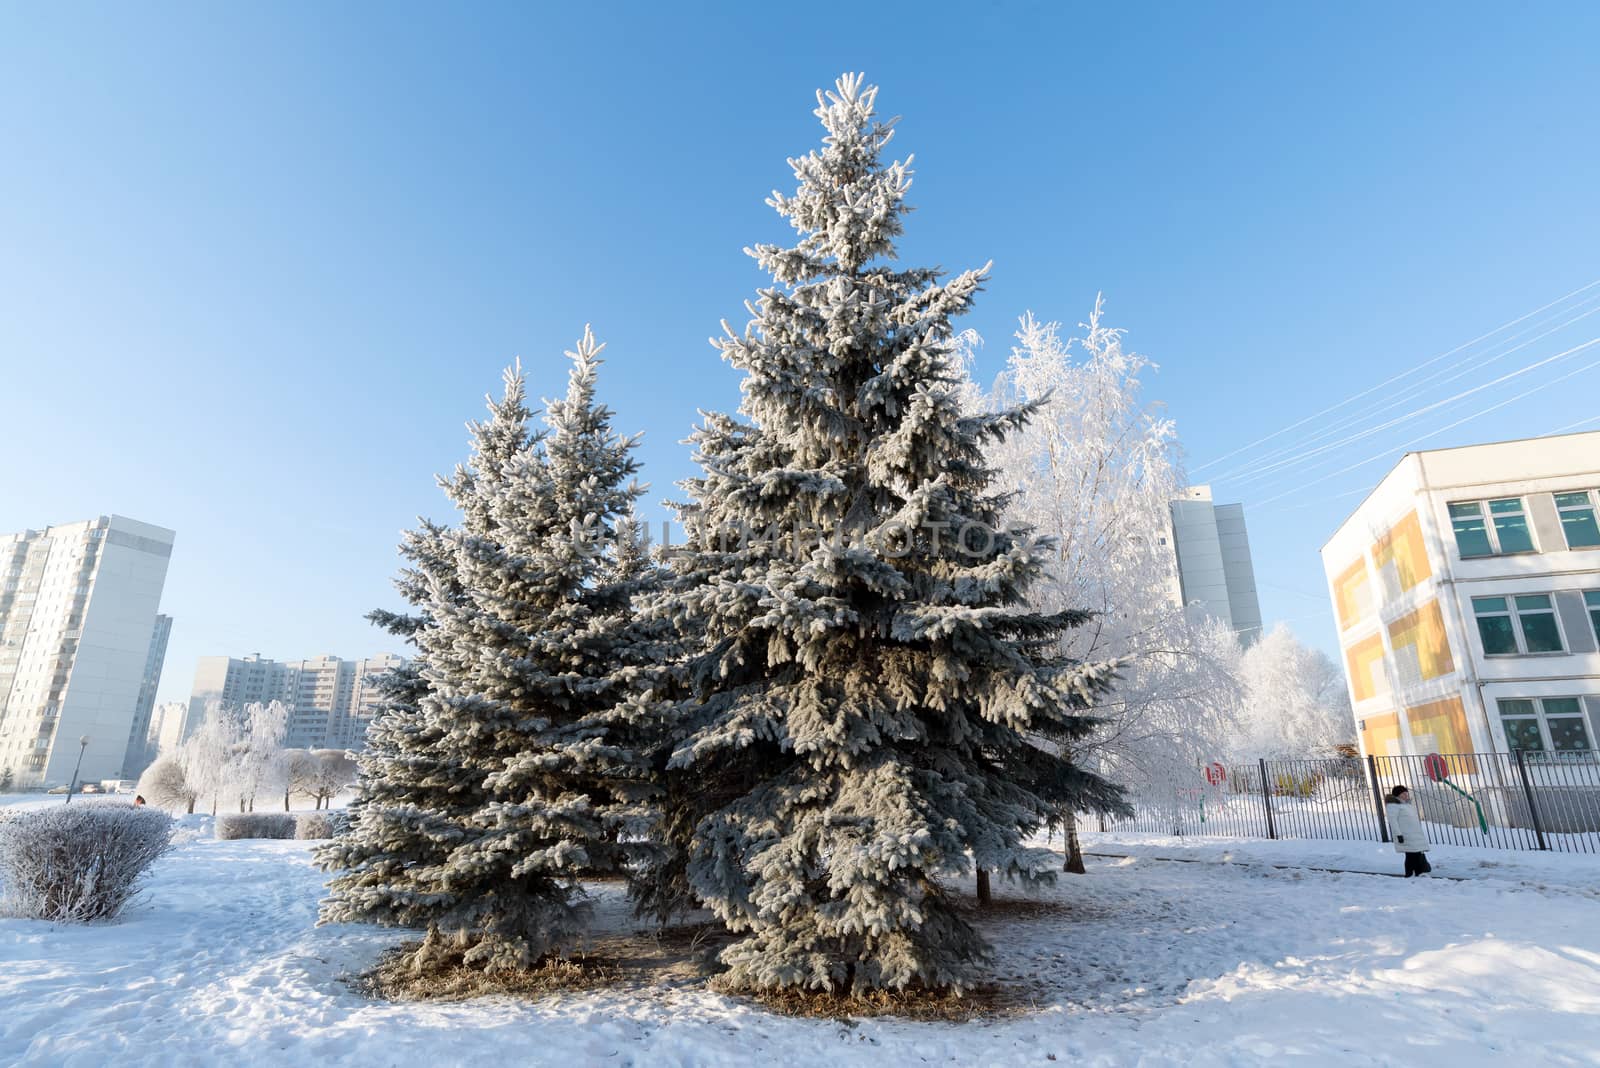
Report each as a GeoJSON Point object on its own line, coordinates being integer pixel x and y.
{"type": "Point", "coordinates": [812, 737]}
{"type": "Point", "coordinates": [236, 758]}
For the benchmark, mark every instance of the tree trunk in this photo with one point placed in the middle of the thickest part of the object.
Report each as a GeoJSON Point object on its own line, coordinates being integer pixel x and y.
{"type": "Point", "coordinates": [286, 799]}
{"type": "Point", "coordinates": [1074, 849]}
{"type": "Point", "coordinates": [191, 806]}
{"type": "Point", "coordinates": [984, 894]}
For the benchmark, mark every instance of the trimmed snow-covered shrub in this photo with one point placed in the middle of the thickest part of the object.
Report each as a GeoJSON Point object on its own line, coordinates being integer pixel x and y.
{"type": "Point", "coordinates": [164, 786]}
{"type": "Point", "coordinates": [236, 825]}
{"type": "Point", "coordinates": [77, 863]}
{"type": "Point", "coordinates": [310, 825]}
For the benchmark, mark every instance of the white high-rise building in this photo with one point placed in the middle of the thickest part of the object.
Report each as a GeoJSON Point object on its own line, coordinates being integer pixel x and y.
{"type": "Point", "coordinates": [330, 701]}
{"type": "Point", "coordinates": [79, 637]}
{"type": "Point", "coordinates": [1215, 574]}
{"type": "Point", "coordinates": [167, 727]}
{"type": "Point", "coordinates": [140, 752]}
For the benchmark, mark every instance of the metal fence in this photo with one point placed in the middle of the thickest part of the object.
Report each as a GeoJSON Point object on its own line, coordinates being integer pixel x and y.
{"type": "Point", "coordinates": [1521, 800]}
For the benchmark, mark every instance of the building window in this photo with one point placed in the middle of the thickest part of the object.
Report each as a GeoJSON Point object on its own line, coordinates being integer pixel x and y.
{"type": "Point", "coordinates": [1506, 530]}
{"type": "Point", "coordinates": [1512, 625]}
{"type": "Point", "coordinates": [1592, 599]}
{"type": "Point", "coordinates": [1577, 513]}
{"type": "Point", "coordinates": [1544, 725]}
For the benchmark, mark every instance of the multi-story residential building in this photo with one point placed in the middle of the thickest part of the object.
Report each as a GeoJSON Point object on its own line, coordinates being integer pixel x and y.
{"type": "Point", "coordinates": [79, 637]}
{"type": "Point", "coordinates": [140, 752]}
{"type": "Point", "coordinates": [1466, 588]}
{"type": "Point", "coordinates": [330, 701]}
{"type": "Point", "coordinates": [1215, 573]}
{"type": "Point", "coordinates": [168, 727]}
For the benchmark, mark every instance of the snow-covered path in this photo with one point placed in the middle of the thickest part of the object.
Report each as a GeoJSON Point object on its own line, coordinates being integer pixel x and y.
{"type": "Point", "coordinates": [1141, 962]}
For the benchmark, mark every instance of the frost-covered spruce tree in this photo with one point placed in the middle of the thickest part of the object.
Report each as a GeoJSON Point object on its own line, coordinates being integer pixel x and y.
{"type": "Point", "coordinates": [389, 859]}
{"type": "Point", "coordinates": [525, 659]}
{"type": "Point", "coordinates": [871, 671]}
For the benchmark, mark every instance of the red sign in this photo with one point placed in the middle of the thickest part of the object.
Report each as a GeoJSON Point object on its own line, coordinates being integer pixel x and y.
{"type": "Point", "coordinates": [1437, 769]}
{"type": "Point", "coordinates": [1215, 773]}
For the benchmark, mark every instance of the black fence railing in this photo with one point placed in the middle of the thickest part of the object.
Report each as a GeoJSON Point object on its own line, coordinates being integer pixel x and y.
{"type": "Point", "coordinates": [1521, 800]}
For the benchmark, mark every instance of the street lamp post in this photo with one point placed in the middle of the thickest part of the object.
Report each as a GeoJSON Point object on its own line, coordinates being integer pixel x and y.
{"type": "Point", "coordinates": [83, 743]}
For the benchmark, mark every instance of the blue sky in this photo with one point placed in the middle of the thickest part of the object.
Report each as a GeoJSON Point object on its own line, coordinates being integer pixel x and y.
{"type": "Point", "coordinates": [260, 263]}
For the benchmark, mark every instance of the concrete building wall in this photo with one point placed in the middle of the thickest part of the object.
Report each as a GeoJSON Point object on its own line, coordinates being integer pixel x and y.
{"type": "Point", "coordinates": [1403, 585]}
{"type": "Point", "coordinates": [140, 753]}
{"type": "Point", "coordinates": [168, 726]}
{"type": "Point", "coordinates": [1215, 573]}
{"type": "Point", "coordinates": [330, 700]}
{"type": "Point", "coordinates": [76, 628]}
{"type": "Point", "coordinates": [1244, 604]}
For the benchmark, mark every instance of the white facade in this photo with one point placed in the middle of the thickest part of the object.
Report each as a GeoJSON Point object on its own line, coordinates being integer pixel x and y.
{"type": "Point", "coordinates": [168, 727]}
{"type": "Point", "coordinates": [330, 701]}
{"type": "Point", "coordinates": [1215, 573]}
{"type": "Point", "coordinates": [78, 629]}
{"type": "Point", "coordinates": [1467, 592]}
{"type": "Point", "coordinates": [140, 751]}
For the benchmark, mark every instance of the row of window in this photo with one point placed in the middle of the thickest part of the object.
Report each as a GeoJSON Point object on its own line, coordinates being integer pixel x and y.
{"type": "Point", "coordinates": [1526, 623]}
{"type": "Point", "coordinates": [1500, 527]}
{"type": "Point", "coordinates": [1544, 724]}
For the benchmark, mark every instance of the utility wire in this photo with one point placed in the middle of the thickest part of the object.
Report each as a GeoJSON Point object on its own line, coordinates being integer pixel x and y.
{"type": "Point", "coordinates": [1574, 426]}
{"type": "Point", "coordinates": [1305, 447]}
{"type": "Point", "coordinates": [1275, 469]}
{"type": "Point", "coordinates": [1390, 381]}
{"type": "Point", "coordinates": [1389, 453]}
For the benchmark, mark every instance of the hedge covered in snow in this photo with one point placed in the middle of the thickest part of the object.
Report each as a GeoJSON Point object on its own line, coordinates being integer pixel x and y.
{"type": "Point", "coordinates": [318, 825]}
{"type": "Point", "coordinates": [77, 863]}
{"type": "Point", "coordinates": [236, 825]}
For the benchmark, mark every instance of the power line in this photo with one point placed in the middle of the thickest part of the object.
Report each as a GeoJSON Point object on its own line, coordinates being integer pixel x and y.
{"type": "Point", "coordinates": [1390, 381]}
{"type": "Point", "coordinates": [1276, 469]}
{"type": "Point", "coordinates": [1574, 426]}
{"type": "Point", "coordinates": [1388, 453]}
{"type": "Point", "coordinates": [1287, 455]}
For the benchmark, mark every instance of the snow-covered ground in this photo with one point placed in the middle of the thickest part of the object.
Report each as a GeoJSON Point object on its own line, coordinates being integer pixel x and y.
{"type": "Point", "coordinates": [1143, 961]}
{"type": "Point", "coordinates": [1580, 870]}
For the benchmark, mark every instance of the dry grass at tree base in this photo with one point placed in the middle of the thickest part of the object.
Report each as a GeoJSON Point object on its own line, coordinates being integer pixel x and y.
{"type": "Point", "coordinates": [670, 957]}
{"type": "Point", "coordinates": [394, 979]}
{"type": "Point", "coordinates": [685, 956]}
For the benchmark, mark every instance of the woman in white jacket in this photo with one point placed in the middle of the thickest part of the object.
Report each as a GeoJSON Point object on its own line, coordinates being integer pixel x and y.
{"type": "Point", "coordinates": [1405, 827]}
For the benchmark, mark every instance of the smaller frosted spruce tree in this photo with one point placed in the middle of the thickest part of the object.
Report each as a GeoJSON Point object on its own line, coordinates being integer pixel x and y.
{"type": "Point", "coordinates": [873, 706]}
{"type": "Point", "coordinates": [530, 667]}
{"type": "Point", "coordinates": [389, 856]}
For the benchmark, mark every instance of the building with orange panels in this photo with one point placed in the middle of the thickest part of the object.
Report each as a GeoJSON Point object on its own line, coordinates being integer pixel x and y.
{"type": "Point", "coordinates": [1466, 589]}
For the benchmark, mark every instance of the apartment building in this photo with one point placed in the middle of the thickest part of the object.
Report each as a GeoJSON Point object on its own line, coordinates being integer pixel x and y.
{"type": "Point", "coordinates": [1466, 588]}
{"type": "Point", "coordinates": [168, 727]}
{"type": "Point", "coordinates": [1215, 573]}
{"type": "Point", "coordinates": [140, 751]}
{"type": "Point", "coordinates": [79, 639]}
{"type": "Point", "coordinates": [330, 701]}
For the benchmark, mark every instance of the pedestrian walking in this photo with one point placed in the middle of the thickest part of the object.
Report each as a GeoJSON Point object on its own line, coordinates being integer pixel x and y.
{"type": "Point", "coordinates": [1405, 827]}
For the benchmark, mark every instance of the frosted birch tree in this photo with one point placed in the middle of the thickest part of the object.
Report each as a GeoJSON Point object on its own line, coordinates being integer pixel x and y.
{"type": "Point", "coordinates": [1097, 468]}
{"type": "Point", "coordinates": [259, 764]}
{"type": "Point", "coordinates": [855, 731]}
{"type": "Point", "coordinates": [1295, 703]}
{"type": "Point", "coordinates": [206, 754]}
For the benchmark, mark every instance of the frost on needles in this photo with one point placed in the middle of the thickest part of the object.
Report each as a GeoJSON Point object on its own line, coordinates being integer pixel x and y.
{"type": "Point", "coordinates": [873, 705]}
{"type": "Point", "coordinates": [496, 778]}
